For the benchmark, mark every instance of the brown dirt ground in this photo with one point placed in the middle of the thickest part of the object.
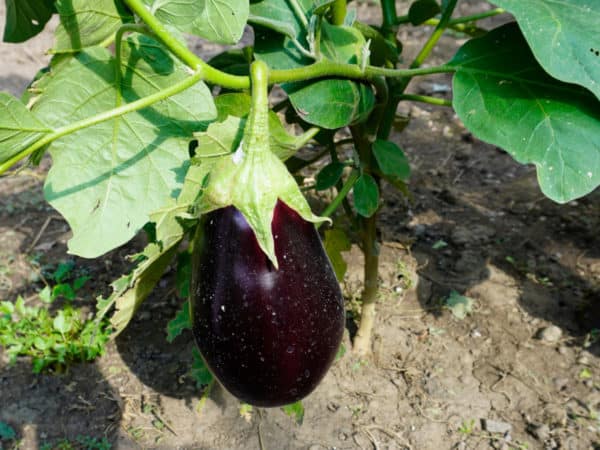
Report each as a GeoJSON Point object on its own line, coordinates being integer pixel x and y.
{"type": "Point", "coordinates": [432, 381]}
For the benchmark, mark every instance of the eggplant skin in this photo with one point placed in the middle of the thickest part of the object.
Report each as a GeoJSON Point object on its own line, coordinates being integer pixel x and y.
{"type": "Point", "coordinates": [268, 336]}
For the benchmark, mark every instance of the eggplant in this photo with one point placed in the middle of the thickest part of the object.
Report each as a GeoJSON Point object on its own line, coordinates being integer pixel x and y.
{"type": "Point", "coordinates": [268, 335]}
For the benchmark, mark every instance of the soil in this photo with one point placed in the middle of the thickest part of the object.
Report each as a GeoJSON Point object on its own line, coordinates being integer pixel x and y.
{"type": "Point", "coordinates": [522, 370]}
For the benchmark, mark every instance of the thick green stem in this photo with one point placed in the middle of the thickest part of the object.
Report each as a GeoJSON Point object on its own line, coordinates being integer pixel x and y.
{"type": "Point", "coordinates": [362, 340]}
{"type": "Point", "coordinates": [180, 50]}
{"type": "Point", "coordinates": [368, 233]}
{"type": "Point", "coordinates": [256, 133]}
{"type": "Point", "coordinates": [102, 117]}
{"type": "Point", "coordinates": [338, 12]}
{"type": "Point", "coordinates": [398, 87]}
{"type": "Point", "coordinates": [388, 11]}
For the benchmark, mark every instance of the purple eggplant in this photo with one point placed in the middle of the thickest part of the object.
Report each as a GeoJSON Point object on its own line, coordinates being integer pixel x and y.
{"type": "Point", "coordinates": [268, 335]}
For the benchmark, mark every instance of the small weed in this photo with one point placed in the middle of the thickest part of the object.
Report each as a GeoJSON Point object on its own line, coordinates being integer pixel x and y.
{"type": "Point", "coordinates": [467, 427]}
{"type": "Point", "coordinates": [80, 443]}
{"type": "Point", "coordinates": [52, 341]}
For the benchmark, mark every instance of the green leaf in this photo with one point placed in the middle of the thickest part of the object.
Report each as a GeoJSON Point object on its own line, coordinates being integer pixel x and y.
{"type": "Point", "coordinates": [130, 291]}
{"type": "Point", "coordinates": [6, 432]}
{"type": "Point", "coordinates": [334, 103]}
{"type": "Point", "coordinates": [459, 305]}
{"type": "Point", "coordinates": [366, 195]}
{"type": "Point", "coordinates": [336, 242]}
{"type": "Point", "coordinates": [563, 36]}
{"type": "Point", "coordinates": [61, 323]}
{"type": "Point", "coordinates": [391, 159]}
{"type": "Point", "coordinates": [181, 322]}
{"type": "Point", "coordinates": [331, 103]}
{"type": "Point", "coordinates": [144, 279]}
{"type": "Point", "coordinates": [26, 18]}
{"type": "Point", "coordinates": [221, 138]}
{"type": "Point", "coordinates": [199, 371]}
{"type": "Point", "coordinates": [85, 24]}
{"type": "Point", "coordinates": [106, 179]}
{"type": "Point", "coordinates": [184, 273]}
{"type": "Point", "coordinates": [329, 175]}
{"type": "Point", "coordinates": [221, 21]}
{"type": "Point", "coordinates": [278, 16]}
{"type": "Point", "coordinates": [295, 410]}
{"type": "Point", "coordinates": [63, 290]}
{"type": "Point", "coordinates": [225, 136]}
{"type": "Point", "coordinates": [178, 13]}
{"type": "Point", "coordinates": [19, 127]}
{"type": "Point", "coordinates": [422, 10]}
{"type": "Point", "coordinates": [504, 97]}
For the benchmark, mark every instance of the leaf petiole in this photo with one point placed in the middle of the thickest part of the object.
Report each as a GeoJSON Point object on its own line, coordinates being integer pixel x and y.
{"type": "Point", "coordinates": [103, 117]}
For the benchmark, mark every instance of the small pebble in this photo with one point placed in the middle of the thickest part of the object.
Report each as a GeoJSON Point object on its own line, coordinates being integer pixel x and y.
{"type": "Point", "coordinates": [549, 334]}
{"type": "Point", "coordinates": [583, 359]}
{"type": "Point", "coordinates": [540, 431]}
{"type": "Point", "coordinates": [563, 350]}
{"type": "Point", "coordinates": [496, 426]}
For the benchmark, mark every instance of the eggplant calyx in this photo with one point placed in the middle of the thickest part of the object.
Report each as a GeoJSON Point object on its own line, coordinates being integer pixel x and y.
{"type": "Point", "coordinates": [253, 178]}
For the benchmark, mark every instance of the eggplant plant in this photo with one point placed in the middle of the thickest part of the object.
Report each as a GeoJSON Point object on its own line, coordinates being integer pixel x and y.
{"type": "Point", "coordinates": [145, 134]}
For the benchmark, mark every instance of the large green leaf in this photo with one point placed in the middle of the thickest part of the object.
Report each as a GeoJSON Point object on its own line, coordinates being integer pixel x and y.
{"type": "Point", "coordinates": [564, 37]}
{"type": "Point", "coordinates": [85, 24]}
{"type": "Point", "coordinates": [178, 13]}
{"type": "Point", "coordinates": [504, 97]}
{"type": "Point", "coordinates": [222, 21]}
{"type": "Point", "coordinates": [130, 291]}
{"type": "Point", "coordinates": [26, 18]}
{"type": "Point", "coordinates": [106, 179]}
{"type": "Point", "coordinates": [331, 103]}
{"type": "Point", "coordinates": [278, 16]}
{"type": "Point", "coordinates": [19, 127]}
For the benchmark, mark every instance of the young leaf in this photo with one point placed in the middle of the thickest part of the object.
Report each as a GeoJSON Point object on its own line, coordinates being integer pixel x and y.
{"type": "Point", "coordinates": [200, 372]}
{"type": "Point", "coordinates": [422, 10]}
{"type": "Point", "coordinates": [295, 410]}
{"type": "Point", "coordinates": [564, 37]}
{"type": "Point", "coordinates": [459, 305]}
{"type": "Point", "coordinates": [179, 323]}
{"type": "Point", "coordinates": [279, 16]}
{"type": "Point", "coordinates": [329, 175]}
{"type": "Point", "coordinates": [366, 195]}
{"type": "Point", "coordinates": [19, 127]}
{"type": "Point", "coordinates": [335, 243]}
{"type": "Point", "coordinates": [26, 18]}
{"type": "Point", "coordinates": [106, 179]}
{"type": "Point", "coordinates": [391, 159]}
{"type": "Point", "coordinates": [84, 23]}
{"type": "Point", "coordinates": [6, 431]}
{"type": "Point", "coordinates": [504, 97]}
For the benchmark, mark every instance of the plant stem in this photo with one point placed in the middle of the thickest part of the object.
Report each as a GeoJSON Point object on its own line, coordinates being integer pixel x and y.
{"type": "Point", "coordinates": [256, 131]}
{"type": "Point", "coordinates": [459, 20]}
{"type": "Point", "coordinates": [362, 340]}
{"type": "Point", "coordinates": [397, 89]}
{"type": "Point", "coordinates": [332, 69]}
{"type": "Point", "coordinates": [338, 12]}
{"type": "Point", "coordinates": [426, 99]}
{"type": "Point", "coordinates": [298, 12]}
{"type": "Point", "coordinates": [317, 70]}
{"type": "Point", "coordinates": [183, 53]}
{"type": "Point", "coordinates": [342, 193]}
{"type": "Point", "coordinates": [388, 11]}
{"type": "Point", "coordinates": [103, 117]}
